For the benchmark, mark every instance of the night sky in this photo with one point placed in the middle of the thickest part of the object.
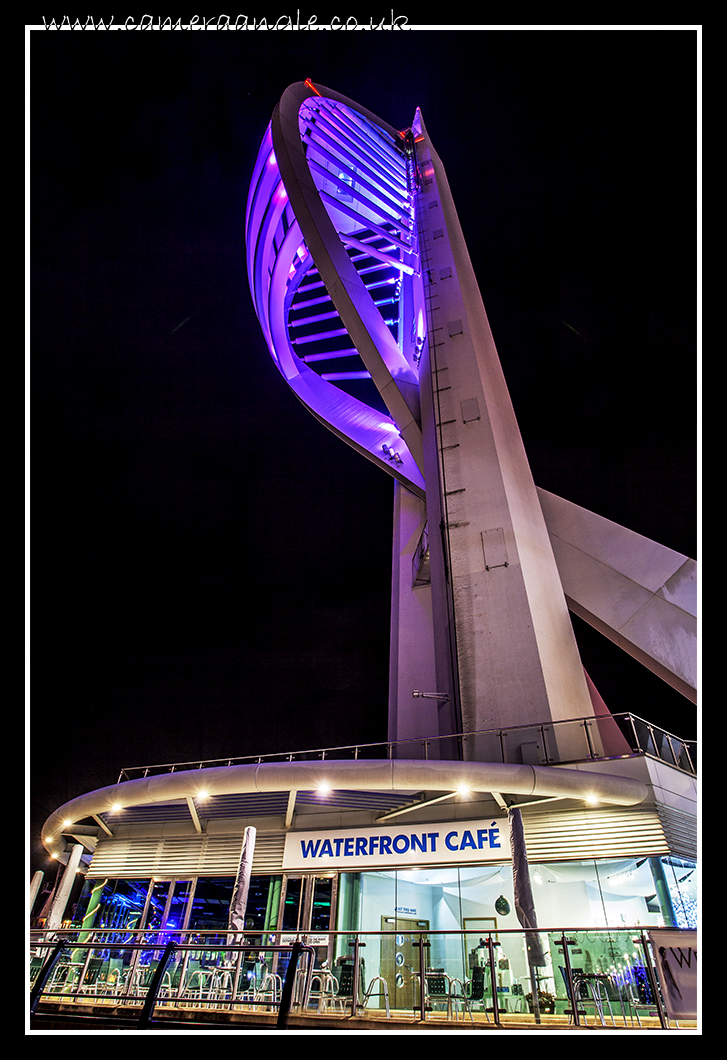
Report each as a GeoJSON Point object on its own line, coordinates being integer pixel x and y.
{"type": "Point", "coordinates": [209, 566]}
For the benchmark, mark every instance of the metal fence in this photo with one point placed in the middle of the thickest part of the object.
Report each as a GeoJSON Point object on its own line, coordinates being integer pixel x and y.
{"type": "Point", "coordinates": [583, 976]}
{"type": "Point", "coordinates": [639, 736]}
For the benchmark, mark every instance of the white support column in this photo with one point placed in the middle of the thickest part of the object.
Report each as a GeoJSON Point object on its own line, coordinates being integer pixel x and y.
{"type": "Point", "coordinates": [517, 659]}
{"type": "Point", "coordinates": [34, 889]}
{"type": "Point", "coordinates": [412, 656]}
{"type": "Point", "coordinates": [60, 901]}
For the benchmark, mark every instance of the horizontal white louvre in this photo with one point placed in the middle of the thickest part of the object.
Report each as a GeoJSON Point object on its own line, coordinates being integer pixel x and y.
{"type": "Point", "coordinates": [141, 857]}
{"type": "Point", "coordinates": [681, 831]}
{"type": "Point", "coordinates": [549, 836]}
{"type": "Point", "coordinates": [553, 836]}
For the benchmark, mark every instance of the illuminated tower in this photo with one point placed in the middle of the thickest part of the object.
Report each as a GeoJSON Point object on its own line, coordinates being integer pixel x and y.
{"type": "Point", "coordinates": [367, 298]}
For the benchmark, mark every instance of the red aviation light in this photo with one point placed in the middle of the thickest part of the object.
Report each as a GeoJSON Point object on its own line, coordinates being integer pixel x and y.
{"type": "Point", "coordinates": [310, 84]}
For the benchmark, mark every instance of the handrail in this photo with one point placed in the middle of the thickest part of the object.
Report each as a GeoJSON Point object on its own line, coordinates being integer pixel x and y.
{"type": "Point", "coordinates": [61, 945]}
{"type": "Point", "coordinates": [632, 723]}
{"type": "Point", "coordinates": [295, 989]}
{"type": "Point", "coordinates": [153, 991]}
{"type": "Point", "coordinates": [45, 974]}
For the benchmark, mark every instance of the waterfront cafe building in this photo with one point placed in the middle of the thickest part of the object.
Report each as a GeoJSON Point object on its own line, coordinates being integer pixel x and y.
{"type": "Point", "coordinates": [397, 849]}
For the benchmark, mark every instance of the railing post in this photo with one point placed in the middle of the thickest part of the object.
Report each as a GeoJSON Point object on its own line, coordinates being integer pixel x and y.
{"type": "Point", "coordinates": [356, 974]}
{"type": "Point", "coordinates": [45, 973]}
{"type": "Point", "coordinates": [84, 970]}
{"type": "Point", "coordinates": [636, 743]}
{"type": "Point", "coordinates": [422, 944]}
{"type": "Point", "coordinates": [565, 943]}
{"type": "Point", "coordinates": [287, 995]}
{"type": "Point", "coordinates": [652, 980]}
{"type": "Point", "coordinates": [151, 994]}
{"type": "Point", "coordinates": [493, 980]}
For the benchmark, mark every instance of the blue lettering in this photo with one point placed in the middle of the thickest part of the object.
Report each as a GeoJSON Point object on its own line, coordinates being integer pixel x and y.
{"type": "Point", "coordinates": [398, 841]}
{"type": "Point", "coordinates": [385, 847]}
{"type": "Point", "coordinates": [447, 838]}
{"type": "Point", "coordinates": [348, 848]}
{"type": "Point", "coordinates": [338, 847]}
{"type": "Point", "coordinates": [361, 846]}
{"type": "Point", "coordinates": [467, 841]}
{"type": "Point", "coordinates": [433, 837]}
{"type": "Point", "coordinates": [419, 841]}
{"type": "Point", "coordinates": [481, 838]}
{"type": "Point", "coordinates": [494, 836]}
{"type": "Point", "coordinates": [309, 848]}
{"type": "Point", "coordinates": [373, 844]}
{"type": "Point", "coordinates": [326, 848]}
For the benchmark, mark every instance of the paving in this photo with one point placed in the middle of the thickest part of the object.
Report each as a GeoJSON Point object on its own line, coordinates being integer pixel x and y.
{"type": "Point", "coordinates": [55, 1016]}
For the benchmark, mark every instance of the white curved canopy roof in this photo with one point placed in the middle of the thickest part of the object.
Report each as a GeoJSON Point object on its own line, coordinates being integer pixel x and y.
{"type": "Point", "coordinates": [369, 775]}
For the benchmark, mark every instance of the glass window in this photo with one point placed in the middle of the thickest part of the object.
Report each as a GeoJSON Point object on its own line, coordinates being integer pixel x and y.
{"type": "Point", "coordinates": [112, 903]}
{"type": "Point", "coordinates": [211, 903]}
{"type": "Point", "coordinates": [681, 878]}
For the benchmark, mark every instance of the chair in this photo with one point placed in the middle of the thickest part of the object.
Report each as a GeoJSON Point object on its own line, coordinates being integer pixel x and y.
{"type": "Point", "coordinates": [599, 994]}
{"type": "Point", "coordinates": [475, 990]}
{"type": "Point", "coordinates": [460, 997]}
{"type": "Point", "coordinates": [582, 984]}
{"type": "Point", "coordinates": [384, 991]}
{"type": "Point", "coordinates": [344, 985]}
{"type": "Point", "coordinates": [441, 989]}
{"type": "Point", "coordinates": [205, 983]}
{"type": "Point", "coordinates": [270, 990]}
{"type": "Point", "coordinates": [323, 987]}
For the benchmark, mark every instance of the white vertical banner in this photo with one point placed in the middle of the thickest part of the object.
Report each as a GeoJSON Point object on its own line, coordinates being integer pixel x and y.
{"type": "Point", "coordinates": [238, 902]}
{"type": "Point", "coordinates": [675, 953]}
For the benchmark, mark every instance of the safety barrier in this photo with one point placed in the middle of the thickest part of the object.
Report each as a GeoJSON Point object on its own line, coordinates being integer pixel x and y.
{"type": "Point", "coordinates": [630, 977]}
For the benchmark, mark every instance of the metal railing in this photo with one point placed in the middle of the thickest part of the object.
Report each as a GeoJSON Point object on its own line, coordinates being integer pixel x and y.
{"type": "Point", "coordinates": [65, 971]}
{"type": "Point", "coordinates": [582, 739]}
{"type": "Point", "coordinates": [486, 976]}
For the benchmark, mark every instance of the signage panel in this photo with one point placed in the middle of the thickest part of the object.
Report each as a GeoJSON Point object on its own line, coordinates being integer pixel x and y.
{"type": "Point", "coordinates": [391, 845]}
{"type": "Point", "coordinates": [676, 963]}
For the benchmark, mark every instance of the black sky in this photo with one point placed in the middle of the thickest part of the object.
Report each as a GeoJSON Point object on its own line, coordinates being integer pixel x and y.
{"type": "Point", "coordinates": [209, 565]}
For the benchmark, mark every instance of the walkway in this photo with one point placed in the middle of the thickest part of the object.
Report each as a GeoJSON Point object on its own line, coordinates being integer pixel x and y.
{"type": "Point", "coordinates": [53, 1016]}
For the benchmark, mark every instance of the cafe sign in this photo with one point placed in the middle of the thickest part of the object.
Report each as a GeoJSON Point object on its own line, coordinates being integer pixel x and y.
{"type": "Point", "coordinates": [481, 841]}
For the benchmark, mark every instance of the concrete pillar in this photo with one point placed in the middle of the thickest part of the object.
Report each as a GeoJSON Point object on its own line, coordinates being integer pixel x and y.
{"type": "Point", "coordinates": [412, 653]}
{"type": "Point", "coordinates": [34, 889]}
{"type": "Point", "coordinates": [517, 659]}
{"type": "Point", "coordinates": [63, 893]}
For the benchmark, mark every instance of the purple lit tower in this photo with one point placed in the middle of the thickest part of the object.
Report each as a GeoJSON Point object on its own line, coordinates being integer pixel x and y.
{"type": "Point", "coordinates": [368, 301]}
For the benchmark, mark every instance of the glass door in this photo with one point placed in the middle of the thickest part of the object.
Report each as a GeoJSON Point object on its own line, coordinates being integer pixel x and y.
{"type": "Point", "coordinates": [307, 911]}
{"type": "Point", "coordinates": [167, 906]}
